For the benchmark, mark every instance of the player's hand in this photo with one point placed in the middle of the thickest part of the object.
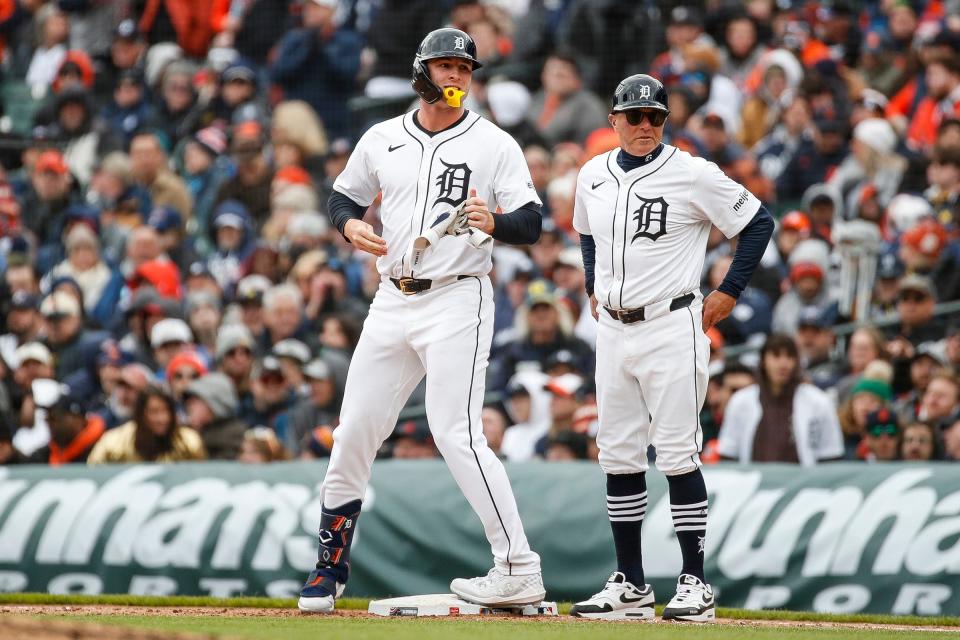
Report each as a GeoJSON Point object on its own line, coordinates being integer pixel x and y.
{"type": "Point", "coordinates": [478, 216]}
{"type": "Point", "coordinates": [716, 307]}
{"type": "Point", "coordinates": [361, 235]}
{"type": "Point", "coordinates": [593, 308]}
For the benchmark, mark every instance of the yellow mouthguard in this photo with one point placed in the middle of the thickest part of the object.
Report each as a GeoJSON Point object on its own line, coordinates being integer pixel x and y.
{"type": "Point", "coordinates": [452, 96]}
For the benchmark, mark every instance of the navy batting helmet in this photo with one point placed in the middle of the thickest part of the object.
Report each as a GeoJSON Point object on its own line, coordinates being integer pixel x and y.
{"type": "Point", "coordinates": [640, 91]}
{"type": "Point", "coordinates": [440, 43]}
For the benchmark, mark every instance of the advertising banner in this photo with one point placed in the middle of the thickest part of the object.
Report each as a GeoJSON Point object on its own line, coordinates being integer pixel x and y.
{"type": "Point", "coordinates": [841, 538]}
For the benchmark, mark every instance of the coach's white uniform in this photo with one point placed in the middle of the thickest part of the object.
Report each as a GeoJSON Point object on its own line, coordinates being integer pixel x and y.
{"type": "Point", "coordinates": [445, 331]}
{"type": "Point", "coordinates": [650, 226]}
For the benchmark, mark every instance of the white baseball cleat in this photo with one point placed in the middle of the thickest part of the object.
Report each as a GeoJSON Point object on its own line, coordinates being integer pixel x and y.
{"type": "Point", "coordinates": [498, 589]}
{"type": "Point", "coordinates": [618, 600]}
{"type": "Point", "coordinates": [694, 601]}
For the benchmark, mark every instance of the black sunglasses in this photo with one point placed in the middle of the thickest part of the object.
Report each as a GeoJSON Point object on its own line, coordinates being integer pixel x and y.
{"type": "Point", "coordinates": [655, 116]}
{"type": "Point", "coordinates": [913, 296]}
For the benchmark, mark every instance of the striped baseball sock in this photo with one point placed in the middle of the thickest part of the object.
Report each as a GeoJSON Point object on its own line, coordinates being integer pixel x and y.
{"type": "Point", "coordinates": [626, 506]}
{"type": "Point", "coordinates": [688, 506]}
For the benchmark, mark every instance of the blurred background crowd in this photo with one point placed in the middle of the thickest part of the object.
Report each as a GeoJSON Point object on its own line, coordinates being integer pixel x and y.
{"type": "Point", "coordinates": [172, 288]}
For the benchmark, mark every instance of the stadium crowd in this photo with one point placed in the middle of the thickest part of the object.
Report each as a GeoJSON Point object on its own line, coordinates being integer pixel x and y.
{"type": "Point", "coordinates": [173, 290]}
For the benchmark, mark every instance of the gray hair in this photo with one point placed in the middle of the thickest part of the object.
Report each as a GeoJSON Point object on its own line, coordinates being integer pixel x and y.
{"type": "Point", "coordinates": [280, 291]}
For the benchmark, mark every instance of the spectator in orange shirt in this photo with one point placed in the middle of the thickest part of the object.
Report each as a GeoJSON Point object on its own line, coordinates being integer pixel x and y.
{"type": "Point", "coordinates": [942, 101]}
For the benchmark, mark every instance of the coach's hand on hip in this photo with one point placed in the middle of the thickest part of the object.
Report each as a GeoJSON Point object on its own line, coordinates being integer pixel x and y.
{"type": "Point", "coordinates": [716, 307]}
{"type": "Point", "coordinates": [478, 216]}
{"type": "Point", "coordinates": [361, 235]}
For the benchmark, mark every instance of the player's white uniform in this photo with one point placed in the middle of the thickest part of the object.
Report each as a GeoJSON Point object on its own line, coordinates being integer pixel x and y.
{"type": "Point", "coordinates": [445, 331]}
{"type": "Point", "coordinates": [650, 226]}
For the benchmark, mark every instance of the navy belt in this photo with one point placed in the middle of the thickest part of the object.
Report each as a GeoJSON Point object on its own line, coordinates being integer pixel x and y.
{"type": "Point", "coordinates": [629, 316]}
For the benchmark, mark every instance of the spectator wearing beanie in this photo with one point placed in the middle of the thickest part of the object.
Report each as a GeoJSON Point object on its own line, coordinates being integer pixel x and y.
{"type": "Point", "coordinates": [881, 439]}
{"type": "Point", "coordinates": [174, 241]}
{"type": "Point", "coordinates": [128, 111]}
{"type": "Point", "coordinates": [101, 285]}
{"type": "Point", "coordinates": [63, 317]}
{"type": "Point", "coordinates": [922, 245]}
{"type": "Point", "coordinates": [211, 405]}
{"type": "Point", "coordinates": [205, 170]}
{"type": "Point", "coordinates": [235, 358]}
{"type": "Point", "coordinates": [873, 162]}
{"type": "Point", "coordinates": [808, 287]}
{"type": "Point", "coordinates": [868, 394]}
{"type": "Point", "coordinates": [175, 101]}
{"type": "Point", "coordinates": [254, 175]}
{"type": "Point", "coordinates": [49, 192]}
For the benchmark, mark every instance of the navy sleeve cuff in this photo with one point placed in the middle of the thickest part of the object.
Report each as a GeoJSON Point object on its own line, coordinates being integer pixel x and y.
{"type": "Point", "coordinates": [588, 249]}
{"type": "Point", "coordinates": [751, 245]}
{"type": "Point", "coordinates": [518, 227]}
{"type": "Point", "coordinates": [342, 209]}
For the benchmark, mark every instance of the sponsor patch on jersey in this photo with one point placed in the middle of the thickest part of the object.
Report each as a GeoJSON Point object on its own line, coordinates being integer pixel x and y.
{"type": "Point", "coordinates": [742, 199]}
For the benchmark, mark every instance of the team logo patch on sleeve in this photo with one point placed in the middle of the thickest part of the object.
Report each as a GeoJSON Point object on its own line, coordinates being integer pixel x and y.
{"type": "Point", "coordinates": [651, 218]}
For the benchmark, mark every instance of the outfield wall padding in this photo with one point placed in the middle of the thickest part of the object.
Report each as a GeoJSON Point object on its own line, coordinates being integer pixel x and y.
{"type": "Point", "coordinates": [841, 538]}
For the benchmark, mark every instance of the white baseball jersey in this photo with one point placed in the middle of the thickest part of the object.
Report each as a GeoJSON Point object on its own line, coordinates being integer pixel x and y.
{"type": "Point", "coordinates": [472, 154]}
{"type": "Point", "coordinates": [651, 224]}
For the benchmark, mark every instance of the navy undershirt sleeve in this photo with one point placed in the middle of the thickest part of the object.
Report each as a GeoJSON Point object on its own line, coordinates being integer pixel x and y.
{"type": "Point", "coordinates": [751, 244]}
{"type": "Point", "coordinates": [342, 209]}
{"type": "Point", "coordinates": [588, 249]}
{"type": "Point", "coordinates": [521, 226]}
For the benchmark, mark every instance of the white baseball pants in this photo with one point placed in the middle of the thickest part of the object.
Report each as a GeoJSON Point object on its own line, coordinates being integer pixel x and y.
{"type": "Point", "coordinates": [651, 383]}
{"type": "Point", "coordinates": [445, 333]}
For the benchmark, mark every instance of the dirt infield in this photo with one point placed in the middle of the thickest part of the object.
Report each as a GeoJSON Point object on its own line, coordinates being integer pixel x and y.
{"type": "Point", "coordinates": [18, 621]}
{"type": "Point", "coordinates": [16, 627]}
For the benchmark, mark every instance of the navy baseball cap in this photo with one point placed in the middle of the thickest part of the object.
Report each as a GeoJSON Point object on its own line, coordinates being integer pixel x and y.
{"type": "Point", "coordinates": [164, 219]}
{"type": "Point", "coordinates": [814, 317]}
{"type": "Point", "coordinates": [890, 267]}
{"type": "Point", "coordinates": [417, 430]}
{"type": "Point", "coordinates": [111, 354]}
{"type": "Point", "coordinates": [70, 401]}
{"type": "Point", "coordinates": [24, 300]}
{"type": "Point", "coordinates": [240, 70]}
{"type": "Point", "coordinates": [199, 269]}
{"type": "Point", "coordinates": [563, 356]}
{"type": "Point", "coordinates": [127, 30]}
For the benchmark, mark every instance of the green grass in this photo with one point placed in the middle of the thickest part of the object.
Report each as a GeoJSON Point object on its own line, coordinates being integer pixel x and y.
{"type": "Point", "coordinates": [313, 627]}
{"type": "Point", "coordinates": [295, 628]}
{"type": "Point", "coordinates": [361, 604]}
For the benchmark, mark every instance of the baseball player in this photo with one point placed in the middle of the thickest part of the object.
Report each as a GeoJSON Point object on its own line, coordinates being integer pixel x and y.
{"type": "Point", "coordinates": [644, 212]}
{"type": "Point", "coordinates": [439, 170]}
